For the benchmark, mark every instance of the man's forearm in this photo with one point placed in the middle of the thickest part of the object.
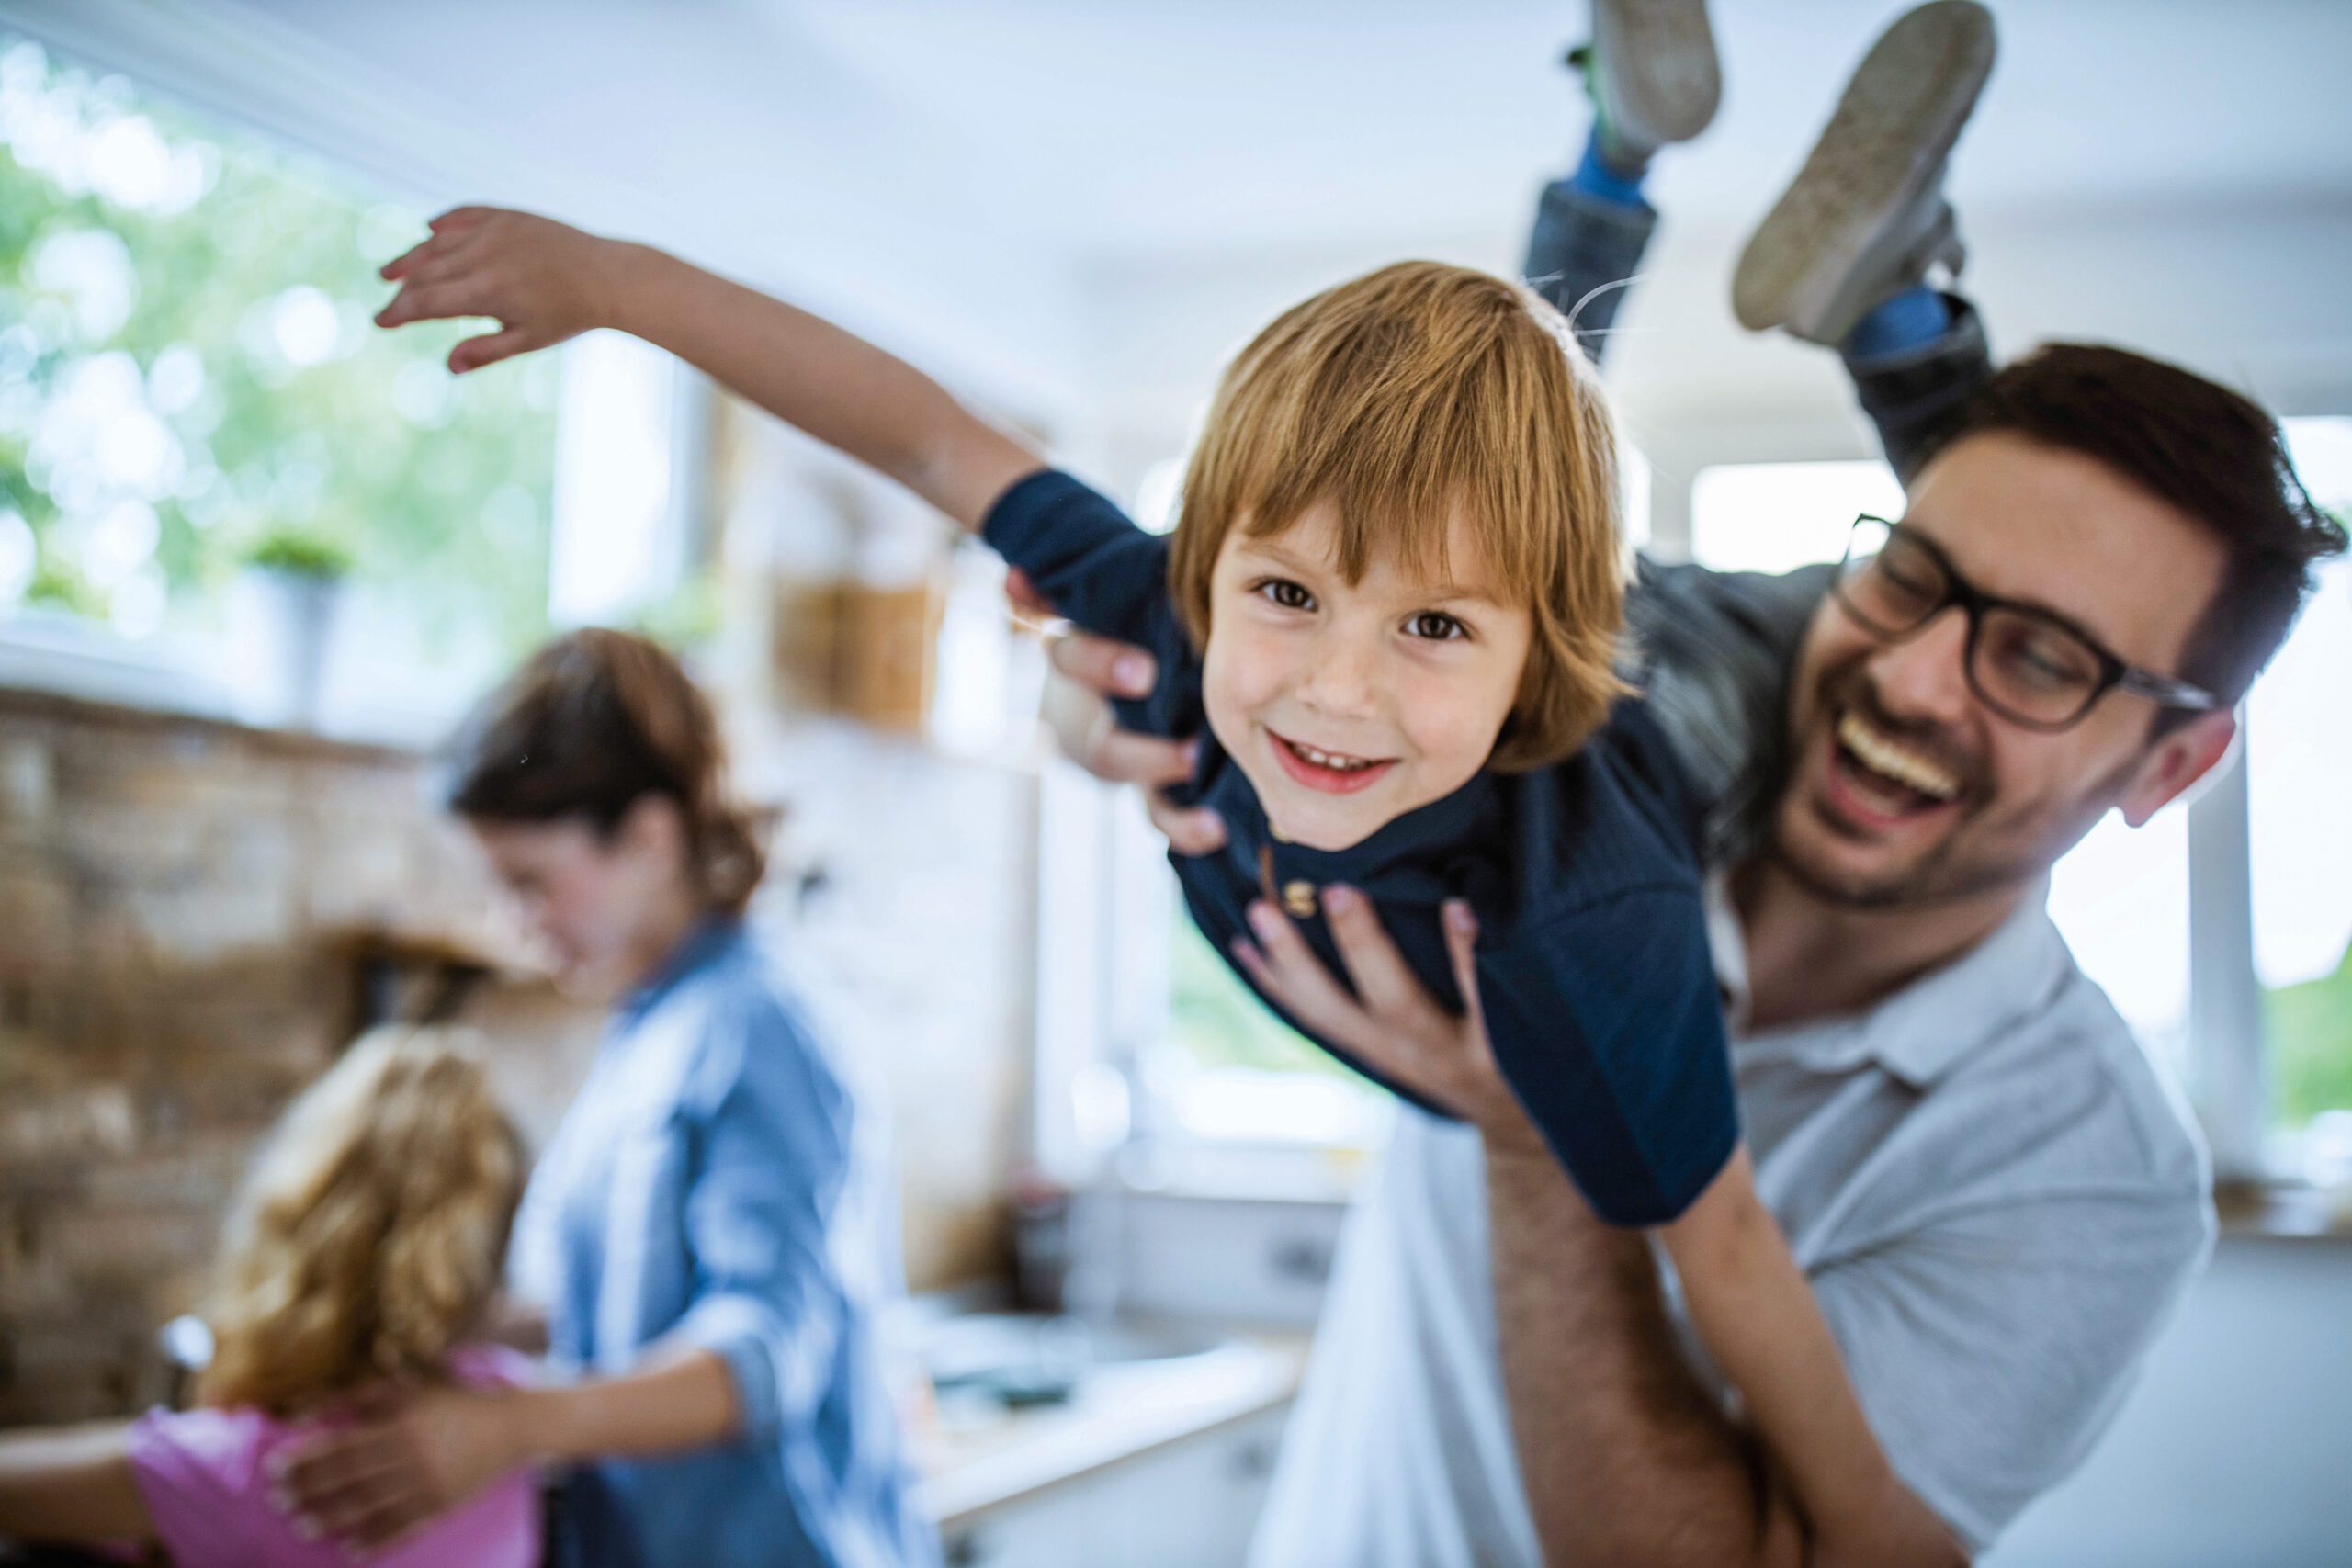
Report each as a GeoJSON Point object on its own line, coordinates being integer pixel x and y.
{"type": "Point", "coordinates": [1627, 1460]}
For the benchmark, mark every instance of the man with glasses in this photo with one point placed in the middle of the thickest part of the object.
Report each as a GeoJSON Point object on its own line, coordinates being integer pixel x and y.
{"type": "Point", "coordinates": [1994, 1198]}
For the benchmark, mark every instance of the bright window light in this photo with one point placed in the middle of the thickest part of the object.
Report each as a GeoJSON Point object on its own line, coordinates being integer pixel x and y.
{"type": "Point", "coordinates": [2299, 759]}
{"type": "Point", "coordinates": [616, 547]}
{"type": "Point", "coordinates": [1779, 516]}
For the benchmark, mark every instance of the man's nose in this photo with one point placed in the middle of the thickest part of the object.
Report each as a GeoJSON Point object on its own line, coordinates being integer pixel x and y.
{"type": "Point", "coordinates": [1343, 678]}
{"type": "Point", "coordinates": [1926, 675]}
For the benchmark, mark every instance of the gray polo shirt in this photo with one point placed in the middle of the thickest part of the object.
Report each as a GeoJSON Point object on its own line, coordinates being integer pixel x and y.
{"type": "Point", "coordinates": [1997, 1196]}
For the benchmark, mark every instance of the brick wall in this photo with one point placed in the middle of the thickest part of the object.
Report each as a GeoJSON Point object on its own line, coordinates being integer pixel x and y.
{"type": "Point", "coordinates": [176, 902]}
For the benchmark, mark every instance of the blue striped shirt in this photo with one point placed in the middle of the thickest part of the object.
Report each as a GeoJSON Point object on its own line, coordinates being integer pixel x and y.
{"type": "Point", "coordinates": [713, 1186]}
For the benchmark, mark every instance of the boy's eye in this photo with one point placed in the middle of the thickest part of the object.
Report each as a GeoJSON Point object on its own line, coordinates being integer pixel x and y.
{"type": "Point", "coordinates": [1436, 625]}
{"type": "Point", "coordinates": [1286, 593]}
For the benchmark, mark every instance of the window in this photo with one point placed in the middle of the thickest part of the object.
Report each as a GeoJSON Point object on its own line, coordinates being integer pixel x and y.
{"type": "Point", "coordinates": [2298, 780]}
{"type": "Point", "coordinates": [189, 378]}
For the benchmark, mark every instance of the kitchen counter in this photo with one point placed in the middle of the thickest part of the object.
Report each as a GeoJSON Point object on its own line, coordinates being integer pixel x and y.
{"type": "Point", "coordinates": [1118, 1413]}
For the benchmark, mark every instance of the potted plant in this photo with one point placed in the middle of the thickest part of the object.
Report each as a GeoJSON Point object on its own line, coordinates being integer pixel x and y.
{"type": "Point", "coordinates": [298, 574]}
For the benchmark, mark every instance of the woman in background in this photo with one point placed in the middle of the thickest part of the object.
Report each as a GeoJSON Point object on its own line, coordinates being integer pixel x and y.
{"type": "Point", "coordinates": [362, 1253]}
{"type": "Point", "coordinates": [712, 1228]}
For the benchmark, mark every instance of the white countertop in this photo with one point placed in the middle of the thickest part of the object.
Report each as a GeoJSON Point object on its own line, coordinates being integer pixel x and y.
{"type": "Point", "coordinates": [1118, 1413]}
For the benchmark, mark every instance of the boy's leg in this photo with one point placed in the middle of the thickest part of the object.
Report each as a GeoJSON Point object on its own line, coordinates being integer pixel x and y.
{"type": "Point", "coordinates": [1844, 256]}
{"type": "Point", "coordinates": [1651, 73]}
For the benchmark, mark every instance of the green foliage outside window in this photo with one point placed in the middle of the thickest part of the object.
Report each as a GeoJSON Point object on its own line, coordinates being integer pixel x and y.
{"type": "Point", "coordinates": [2311, 1045]}
{"type": "Point", "coordinates": [190, 381]}
{"type": "Point", "coordinates": [1219, 1022]}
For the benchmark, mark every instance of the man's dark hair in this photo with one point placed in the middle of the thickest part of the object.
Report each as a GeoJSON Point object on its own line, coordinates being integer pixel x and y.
{"type": "Point", "coordinates": [2206, 450]}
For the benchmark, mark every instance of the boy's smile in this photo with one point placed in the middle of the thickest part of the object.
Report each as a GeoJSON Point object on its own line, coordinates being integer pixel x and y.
{"type": "Point", "coordinates": [1349, 704]}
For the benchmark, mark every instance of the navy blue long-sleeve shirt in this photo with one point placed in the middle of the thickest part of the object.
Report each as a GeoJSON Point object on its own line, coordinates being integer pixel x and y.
{"type": "Point", "coordinates": [1593, 970]}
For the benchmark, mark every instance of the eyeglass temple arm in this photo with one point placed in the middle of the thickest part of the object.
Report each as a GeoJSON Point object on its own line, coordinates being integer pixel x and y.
{"type": "Point", "coordinates": [2172, 693]}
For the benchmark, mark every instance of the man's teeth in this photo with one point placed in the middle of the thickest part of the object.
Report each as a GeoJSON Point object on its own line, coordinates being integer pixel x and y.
{"type": "Point", "coordinates": [1886, 757]}
{"type": "Point", "coordinates": [1331, 760]}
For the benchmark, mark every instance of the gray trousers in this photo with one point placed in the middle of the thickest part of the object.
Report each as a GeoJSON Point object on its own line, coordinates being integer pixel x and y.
{"type": "Point", "coordinates": [1583, 252]}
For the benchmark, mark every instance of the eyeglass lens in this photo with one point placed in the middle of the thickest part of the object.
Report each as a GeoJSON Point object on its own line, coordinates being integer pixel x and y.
{"type": "Point", "coordinates": [2028, 665]}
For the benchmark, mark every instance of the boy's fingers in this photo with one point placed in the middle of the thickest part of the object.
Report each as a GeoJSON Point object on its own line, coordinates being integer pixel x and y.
{"type": "Point", "coordinates": [1113, 669]}
{"type": "Point", "coordinates": [459, 218]}
{"type": "Point", "coordinates": [1392, 993]}
{"type": "Point", "coordinates": [398, 267]}
{"type": "Point", "coordinates": [435, 302]}
{"type": "Point", "coordinates": [488, 349]}
{"type": "Point", "coordinates": [1189, 830]}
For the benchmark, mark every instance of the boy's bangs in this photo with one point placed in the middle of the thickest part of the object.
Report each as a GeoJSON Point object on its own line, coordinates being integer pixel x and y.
{"type": "Point", "coordinates": [1397, 471]}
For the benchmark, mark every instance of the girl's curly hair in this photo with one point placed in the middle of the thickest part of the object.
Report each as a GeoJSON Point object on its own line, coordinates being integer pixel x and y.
{"type": "Point", "coordinates": [370, 1232]}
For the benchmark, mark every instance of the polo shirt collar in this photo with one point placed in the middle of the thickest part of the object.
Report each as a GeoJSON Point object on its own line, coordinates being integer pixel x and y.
{"type": "Point", "coordinates": [1923, 1031]}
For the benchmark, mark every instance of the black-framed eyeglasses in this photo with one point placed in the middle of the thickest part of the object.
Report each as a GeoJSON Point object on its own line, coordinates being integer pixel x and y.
{"type": "Point", "coordinates": [2031, 665]}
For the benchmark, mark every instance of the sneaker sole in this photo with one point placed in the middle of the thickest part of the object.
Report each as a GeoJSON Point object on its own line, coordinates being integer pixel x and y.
{"type": "Point", "coordinates": [1884, 149]}
{"type": "Point", "coordinates": [1663, 77]}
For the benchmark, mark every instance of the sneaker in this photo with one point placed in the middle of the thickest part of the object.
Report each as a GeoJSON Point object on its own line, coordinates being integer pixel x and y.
{"type": "Point", "coordinates": [1652, 71]}
{"type": "Point", "coordinates": [1866, 217]}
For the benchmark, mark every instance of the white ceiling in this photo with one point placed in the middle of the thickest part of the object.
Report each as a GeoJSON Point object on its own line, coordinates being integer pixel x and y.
{"type": "Point", "coordinates": [1062, 204]}
{"type": "Point", "coordinates": [1217, 123]}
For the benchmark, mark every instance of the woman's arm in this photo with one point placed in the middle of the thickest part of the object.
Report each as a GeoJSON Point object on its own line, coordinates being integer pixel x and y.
{"type": "Point", "coordinates": [369, 1483]}
{"type": "Point", "coordinates": [544, 282]}
{"type": "Point", "coordinates": [71, 1483]}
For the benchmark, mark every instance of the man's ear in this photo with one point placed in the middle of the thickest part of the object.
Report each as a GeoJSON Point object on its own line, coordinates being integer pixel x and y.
{"type": "Point", "coordinates": [2176, 761]}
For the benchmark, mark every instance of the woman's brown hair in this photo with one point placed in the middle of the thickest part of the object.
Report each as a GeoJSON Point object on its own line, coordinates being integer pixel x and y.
{"type": "Point", "coordinates": [597, 721]}
{"type": "Point", "coordinates": [1402, 397]}
{"type": "Point", "coordinates": [370, 1232]}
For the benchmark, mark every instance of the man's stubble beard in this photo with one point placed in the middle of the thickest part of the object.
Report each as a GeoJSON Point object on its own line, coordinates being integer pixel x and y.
{"type": "Point", "coordinates": [1944, 874]}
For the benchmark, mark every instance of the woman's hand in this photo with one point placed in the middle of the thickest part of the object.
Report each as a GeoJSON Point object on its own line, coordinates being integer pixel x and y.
{"type": "Point", "coordinates": [543, 281]}
{"type": "Point", "coordinates": [407, 1459]}
{"type": "Point", "coordinates": [1392, 1022]}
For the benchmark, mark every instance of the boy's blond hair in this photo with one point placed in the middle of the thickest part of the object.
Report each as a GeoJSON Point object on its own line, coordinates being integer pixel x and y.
{"type": "Point", "coordinates": [370, 1232]}
{"type": "Point", "coordinates": [1400, 397]}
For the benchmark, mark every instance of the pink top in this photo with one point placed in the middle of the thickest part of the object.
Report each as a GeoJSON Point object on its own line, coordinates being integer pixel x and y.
{"type": "Point", "coordinates": [208, 1494]}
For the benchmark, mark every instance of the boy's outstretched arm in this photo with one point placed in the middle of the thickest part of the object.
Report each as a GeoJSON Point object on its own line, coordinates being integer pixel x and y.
{"type": "Point", "coordinates": [545, 282]}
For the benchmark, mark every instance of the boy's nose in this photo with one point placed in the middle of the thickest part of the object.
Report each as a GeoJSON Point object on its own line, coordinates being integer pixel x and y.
{"type": "Point", "coordinates": [1343, 679]}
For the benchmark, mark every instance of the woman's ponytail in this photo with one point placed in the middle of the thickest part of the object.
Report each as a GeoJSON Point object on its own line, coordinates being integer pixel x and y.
{"type": "Point", "coordinates": [594, 722]}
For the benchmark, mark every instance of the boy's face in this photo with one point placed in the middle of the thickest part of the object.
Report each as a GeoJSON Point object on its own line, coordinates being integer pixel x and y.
{"type": "Point", "coordinates": [1347, 704]}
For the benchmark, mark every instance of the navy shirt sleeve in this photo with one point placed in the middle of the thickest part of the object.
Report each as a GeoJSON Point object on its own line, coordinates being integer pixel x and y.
{"type": "Point", "coordinates": [1607, 1024]}
{"type": "Point", "coordinates": [1109, 577]}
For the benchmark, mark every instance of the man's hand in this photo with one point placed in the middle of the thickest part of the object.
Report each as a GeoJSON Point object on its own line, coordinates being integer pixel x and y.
{"type": "Point", "coordinates": [542, 280]}
{"type": "Point", "coordinates": [403, 1463]}
{"type": "Point", "coordinates": [1089, 669]}
{"type": "Point", "coordinates": [1392, 1022]}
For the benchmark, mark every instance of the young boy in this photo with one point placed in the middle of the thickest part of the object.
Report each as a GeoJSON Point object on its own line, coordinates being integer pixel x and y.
{"type": "Point", "coordinates": [1393, 597]}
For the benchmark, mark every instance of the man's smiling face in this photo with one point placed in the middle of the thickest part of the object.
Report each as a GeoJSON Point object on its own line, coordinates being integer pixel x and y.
{"type": "Point", "coordinates": [1350, 703]}
{"type": "Point", "coordinates": [1904, 788]}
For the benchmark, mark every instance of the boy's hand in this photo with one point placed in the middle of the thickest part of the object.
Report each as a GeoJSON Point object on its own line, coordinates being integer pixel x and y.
{"type": "Point", "coordinates": [541, 280]}
{"type": "Point", "coordinates": [1391, 1022]}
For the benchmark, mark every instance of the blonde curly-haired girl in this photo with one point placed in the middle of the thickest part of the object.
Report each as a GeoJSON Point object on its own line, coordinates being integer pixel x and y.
{"type": "Point", "coordinates": [362, 1253]}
